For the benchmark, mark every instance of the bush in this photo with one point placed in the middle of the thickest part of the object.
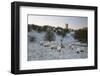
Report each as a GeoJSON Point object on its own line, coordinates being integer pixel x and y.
{"type": "Point", "coordinates": [62, 32]}
{"type": "Point", "coordinates": [82, 35]}
{"type": "Point", "coordinates": [31, 38]}
{"type": "Point", "coordinates": [45, 28]}
{"type": "Point", "coordinates": [39, 29]}
{"type": "Point", "coordinates": [49, 36]}
{"type": "Point", "coordinates": [66, 30]}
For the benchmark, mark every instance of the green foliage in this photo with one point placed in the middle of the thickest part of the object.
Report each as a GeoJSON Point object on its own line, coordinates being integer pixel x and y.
{"type": "Point", "coordinates": [32, 38]}
{"type": "Point", "coordinates": [50, 36]}
{"type": "Point", "coordinates": [39, 29]}
{"type": "Point", "coordinates": [62, 32]}
{"type": "Point", "coordinates": [58, 30]}
{"type": "Point", "coordinates": [66, 30]}
{"type": "Point", "coordinates": [45, 27]}
{"type": "Point", "coordinates": [82, 35]}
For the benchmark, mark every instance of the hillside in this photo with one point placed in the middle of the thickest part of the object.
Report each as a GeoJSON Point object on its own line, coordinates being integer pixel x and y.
{"type": "Point", "coordinates": [48, 43]}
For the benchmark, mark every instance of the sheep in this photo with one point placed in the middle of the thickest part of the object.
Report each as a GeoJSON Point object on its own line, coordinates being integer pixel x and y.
{"type": "Point", "coordinates": [71, 46]}
{"type": "Point", "coordinates": [45, 43]}
{"type": "Point", "coordinates": [53, 46]}
{"type": "Point", "coordinates": [42, 42]}
{"type": "Point", "coordinates": [59, 48]}
{"type": "Point", "coordinates": [79, 50]}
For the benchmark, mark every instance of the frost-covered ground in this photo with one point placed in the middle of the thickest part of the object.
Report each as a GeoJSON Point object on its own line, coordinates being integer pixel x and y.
{"type": "Point", "coordinates": [73, 49]}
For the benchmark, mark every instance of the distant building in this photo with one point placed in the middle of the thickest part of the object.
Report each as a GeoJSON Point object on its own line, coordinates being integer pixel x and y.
{"type": "Point", "coordinates": [66, 26]}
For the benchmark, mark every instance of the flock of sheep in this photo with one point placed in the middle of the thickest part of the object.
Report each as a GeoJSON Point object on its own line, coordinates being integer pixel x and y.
{"type": "Point", "coordinates": [52, 45]}
{"type": "Point", "coordinates": [59, 46]}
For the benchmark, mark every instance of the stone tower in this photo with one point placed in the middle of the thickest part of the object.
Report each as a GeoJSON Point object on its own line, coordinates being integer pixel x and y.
{"type": "Point", "coordinates": [66, 26]}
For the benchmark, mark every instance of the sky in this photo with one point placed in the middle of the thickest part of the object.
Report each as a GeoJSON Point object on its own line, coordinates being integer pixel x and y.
{"type": "Point", "coordinates": [74, 22]}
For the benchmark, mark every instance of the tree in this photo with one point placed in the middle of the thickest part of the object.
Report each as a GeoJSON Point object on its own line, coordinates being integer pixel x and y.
{"type": "Point", "coordinates": [82, 35]}
{"type": "Point", "coordinates": [62, 32]}
{"type": "Point", "coordinates": [50, 36]}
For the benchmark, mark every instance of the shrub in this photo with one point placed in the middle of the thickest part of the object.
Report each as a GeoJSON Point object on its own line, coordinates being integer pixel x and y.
{"type": "Point", "coordinates": [45, 27]}
{"type": "Point", "coordinates": [39, 29]}
{"type": "Point", "coordinates": [62, 32]}
{"type": "Point", "coordinates": [66, 30]}
{"type": "Point", "coordinates": [32, 38]}
{"type": "Point", "coordinates": [81, 35]}
{"type": "Point", "coordinates": [49, 36]}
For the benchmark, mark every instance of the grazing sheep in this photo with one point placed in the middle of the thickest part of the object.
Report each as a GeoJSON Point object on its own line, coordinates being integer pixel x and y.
{"type": "Point", "coordinates": [71, 46]}
{"type": "Point", "coordinates": [79, 50]}
{"type": "Point", "coordinates": [53, 46]}
{"type": "Point", "coordinates": [45, 43]}
{"type": "Point", "coordinates": [59, 48]}
{"type": "Point", "coordinates": [62, 46]}
{"type": "Point", "coordinates": [42, 42]}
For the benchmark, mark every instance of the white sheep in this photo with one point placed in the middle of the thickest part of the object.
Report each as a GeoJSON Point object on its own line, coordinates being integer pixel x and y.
{"type": "Point", "coordinates": [59, 48]}
{"type": "Point", "coordinates": [71, 46]}
{"type": "Point", "coordinates": [79, 50]}
{"type": "Point", "coordinates": [53, 46]}
{"type": "Point", "coordinates": [46, 44]}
